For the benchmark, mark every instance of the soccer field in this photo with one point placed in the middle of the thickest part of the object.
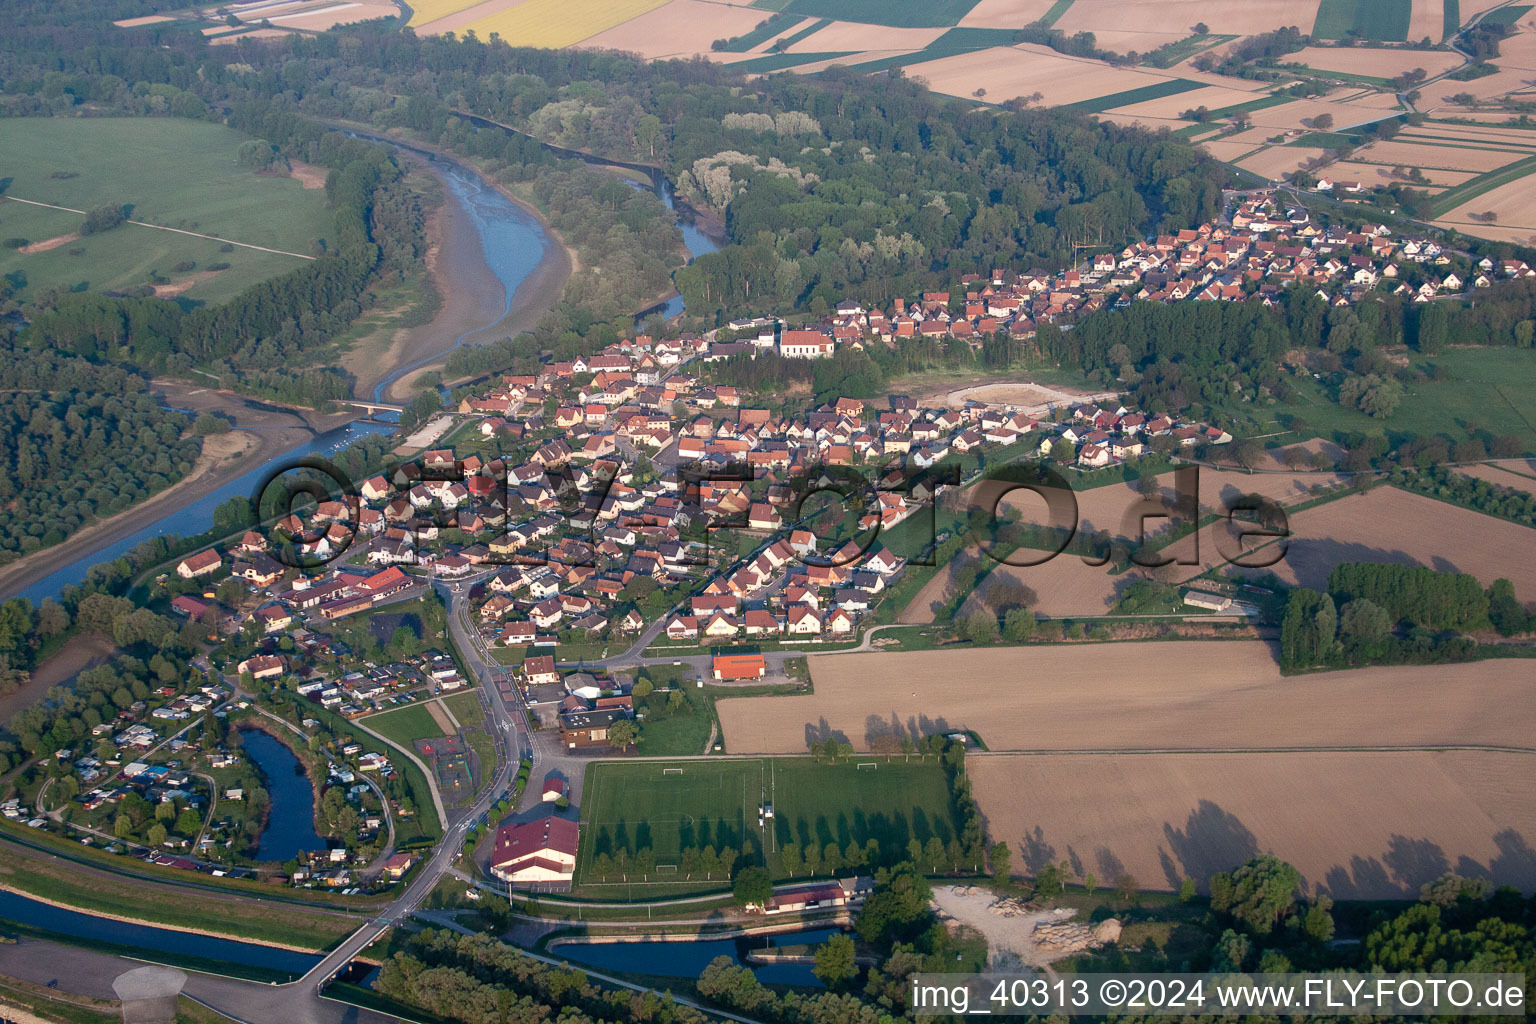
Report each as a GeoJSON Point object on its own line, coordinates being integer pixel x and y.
{"type": "Point", "coordinates": [671, 806]}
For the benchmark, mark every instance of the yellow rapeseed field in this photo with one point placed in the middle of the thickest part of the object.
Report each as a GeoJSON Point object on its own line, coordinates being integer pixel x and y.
{"type": "Point", "coordinates": [556, 23]}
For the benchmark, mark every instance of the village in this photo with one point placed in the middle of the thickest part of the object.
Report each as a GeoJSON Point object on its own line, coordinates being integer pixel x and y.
{"type": "Point", "coordinates": [623, 498]}
{"type": "Point", "coordinates": [625, 501]}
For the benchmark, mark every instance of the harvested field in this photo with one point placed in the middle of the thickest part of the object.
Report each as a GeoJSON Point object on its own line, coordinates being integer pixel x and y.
{"type": "Point", "coordinates": [1312, 446]}
{"type": "Point", "coordinates": [1509, 80]}
{"type": "Point", "coordinates": [1378, 62]}
{"type": "Point", "coordinates": [1522, 137]}
{"type": "Point", "coordinates": [556, 23]}
{"type": "Point", "coordinates": [1426, 21]}
{"type": "Point", "coordinates": [1514, 204]}
{"type": "Point", "coordinates": [1005, 13]}
{"type": "Point", "coordinates": [457, 21]}
{"type": "Point", "coordinates": [1381, 174]}
{"type": "Point", "coordinates": [1515, 481]}
{"type": "Point", "coordinates": [1363, 825]}
{"type": "Point", "coordinates": [424, 12]}
{"type": "Point", "coordinates": [1136, 40]}
{"type": "Point", "coordinates": [255, 33]}
{"type": "Point", "coordinates": [848, 35]}
{"type": "Point", "coordinates": [1453, 158]}
{"type": "Point", "coordinates": [1213, 97]}
{"type": "Point", "coordinates": [148, 19]}
{"type": "Point", "coordinates": [1151, 124]}
{"type": "Point", "coordinates": [1185, 695]}
{"type": "Point", "coordinates": [1228, 150]}
{"type": "Point", "coordinates": [1235, 17]}
{"type": "Point", "coordinates": [1518, 51]}
{"type": "Point", "coordinates": [680, 29]}
{"type": "Point", "coordinates": [1068, 586]}
{"type": "Point", "coordinates": [1277, 161]}
{"type": "Point", "coordinates": [320, 18]}
{"type": "Point", "coordinates": [1292, 115]}
{"type": "Point", "coordinates": [1389, 525]}
{"type": "Point", "coordinates": [1009, 71]}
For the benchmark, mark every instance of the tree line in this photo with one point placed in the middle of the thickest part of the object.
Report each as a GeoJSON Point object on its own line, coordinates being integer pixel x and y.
{"type": "Point", "coordinates": [1385, 613]}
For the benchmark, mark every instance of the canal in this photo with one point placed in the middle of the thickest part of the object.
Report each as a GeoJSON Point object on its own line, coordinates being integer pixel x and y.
{"type": "Point", "coordinates": [149, 939]}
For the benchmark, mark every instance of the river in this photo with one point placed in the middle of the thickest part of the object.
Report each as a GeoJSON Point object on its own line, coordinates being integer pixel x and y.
{"type": "Point", "coordinates": [513, 242]}
{"type": "Point", "coordinates": [290, 826]}
{"type": "Point", "coordinates": [196, 516]}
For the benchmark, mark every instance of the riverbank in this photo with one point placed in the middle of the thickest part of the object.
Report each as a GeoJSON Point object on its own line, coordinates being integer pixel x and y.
{"type": "Point", "coordinates": [141, 922]}
{"type": "Point", "coordinates": [262, 432]}
{"type": "Point", "coordinates": [79, 654]}
{"type": "Point", "coordinates": [468, 295]}
{"type": "Point", "coordinates": [474, 306]}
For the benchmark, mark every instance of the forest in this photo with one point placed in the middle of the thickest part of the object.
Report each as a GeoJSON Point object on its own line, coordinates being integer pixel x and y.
{"type": "Point", "coordinates": [825, 185]}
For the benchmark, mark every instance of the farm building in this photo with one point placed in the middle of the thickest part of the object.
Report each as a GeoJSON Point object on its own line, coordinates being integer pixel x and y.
{"type": "Point", "coordinates": [200, 564]}
{"type": "Point", "coordinates": [740, 666]}
{"type": "Point", "coordinates": [1210, 602]}
{"type": "Point", "coordinates": [536, 854]}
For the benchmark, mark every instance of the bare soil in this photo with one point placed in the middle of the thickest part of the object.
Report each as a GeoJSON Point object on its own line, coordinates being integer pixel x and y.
{"type": "Point", "coordinates": [1160, 695]}
{"type": "Point", "coordinates": [1362, 825]}
{"type": "Point", "coordinates": [1389, 525]}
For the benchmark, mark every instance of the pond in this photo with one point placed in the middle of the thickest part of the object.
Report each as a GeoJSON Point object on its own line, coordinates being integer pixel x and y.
{"type": "Point", "coordinates": [291, 818]}
{"type": "Point", "coordinates": [688, 959]}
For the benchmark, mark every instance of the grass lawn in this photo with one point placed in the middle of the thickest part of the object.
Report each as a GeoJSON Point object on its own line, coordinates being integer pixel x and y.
{"type": "Point", "coordinates": [671, 806]}
{"type": "Point", "coordinates": [676, 735]}
{"type": "Point", "coordinates": [466, 708]}
{"type": "Point", "coordinates": [1386, 20]}
{"type": "Point", "coordinates": [96, 893]}
{"type": "Point", "coordinates": [901, 13]}
{"type": "Point", "coordinates": [1491, 389]}
{"type": "Point", "coordinates": [404, 726]}
{"type": "Point", "coordinates": [171, 172]}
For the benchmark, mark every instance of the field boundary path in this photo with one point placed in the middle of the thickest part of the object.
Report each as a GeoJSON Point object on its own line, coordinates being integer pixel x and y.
{"type": "Point", "coordinates": [162, 227]}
